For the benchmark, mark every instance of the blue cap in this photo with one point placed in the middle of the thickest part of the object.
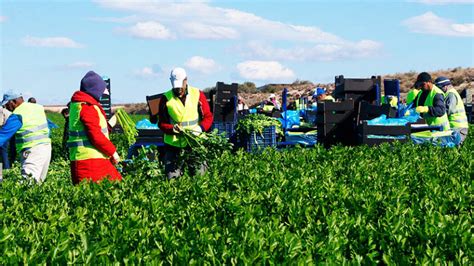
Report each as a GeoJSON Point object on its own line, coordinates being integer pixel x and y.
{"type": "Point", "coordinates": [440, 82]}
{"type": "Point", "coordinates": [319, 91]}
{"type": "Point", "coordinates": [10, 95]}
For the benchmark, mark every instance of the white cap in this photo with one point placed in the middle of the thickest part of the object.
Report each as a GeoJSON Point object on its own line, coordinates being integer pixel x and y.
{"type": "Point", "coordinates": [272, 95]}
{"type": "Point", "coordinates": [177, 76]}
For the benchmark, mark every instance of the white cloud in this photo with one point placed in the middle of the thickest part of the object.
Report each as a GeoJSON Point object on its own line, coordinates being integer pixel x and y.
{"type": "Point", "coordinates": [201, 20]}
{"type": "Point", "coordinates": [314, 52]}
{"type": "Point", "coordinates": [443, 2]}
{"type": "Point", "coordinates": [148, 72]}
{"type": "Point", "coordinates": [149, 30]}
{"type": "Point", "coordinates": [3, 19]}
{"type": "Point", "coordinates": [58, 42]}
{"type": "Point", "coordinates": [265, 70]}
{"type": "Point", "coordinates": [429, 23]}
{"type": "Point", "coordinates": [209, 32]}
{"type": "Point", "coordinates": [202, 64]}
{"type": "Point", "coordinates": [80, 65]}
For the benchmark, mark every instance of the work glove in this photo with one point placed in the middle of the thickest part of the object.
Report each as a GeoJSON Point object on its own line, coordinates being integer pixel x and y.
{"type": "Point", "coordinates": [422, 109]}
{"type": "Point", "coordinates": [197, 131]}
{"type": "Point", "coordinates": [177, 129]}
{"type": "Point", "coordinates": [113, 121]}
{"type": "Point", "coordinates": [115, 158]}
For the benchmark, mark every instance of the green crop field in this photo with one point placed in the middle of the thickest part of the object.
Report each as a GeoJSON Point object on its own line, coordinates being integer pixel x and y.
{"type": "Point", "coordinates": [399, 204]}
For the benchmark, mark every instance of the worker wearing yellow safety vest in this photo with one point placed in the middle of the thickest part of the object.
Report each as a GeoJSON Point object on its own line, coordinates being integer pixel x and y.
{"type": "Point", "coordinates": [454, 107]}
{"type": "Point", "coordinates": [321, 94]}
{"type": "Point", "coordinates": [429, 102]}
{"type": "Point", "coordinates": [92, 154]}
{"type": "Point", "coordinates": [181, 108]}
{"type": "Point", "coordinates": [32, 138]}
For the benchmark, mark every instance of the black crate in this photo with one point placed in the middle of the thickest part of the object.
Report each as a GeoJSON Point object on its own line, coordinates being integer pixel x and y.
{"type": "Point", "coordinates": [377, 134]}
{"type": "Point", "coordinates": [336, 123]}
{"type": "Point", "coordinates": [369, 111]}
{"type": "Point", "coordinates": [225, 111]}
{"type": "Point", "coordinates": [469, 112]}
{"type": "Point", "coordinates": [226, 91]}
{"type": "Point", "coordinates": [256, 141]}
{"type": "Point", "coordinates": [357, 89]}
{"type": "Point", "coordinates": [150, 135]}
{"type": "Point", "coordinates": [105, 100]}
{"type": "Point", "coordinates": [228, 128]}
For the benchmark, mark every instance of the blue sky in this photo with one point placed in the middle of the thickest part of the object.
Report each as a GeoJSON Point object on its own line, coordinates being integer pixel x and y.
{"type": "Point", "coordinates": [48, 46]}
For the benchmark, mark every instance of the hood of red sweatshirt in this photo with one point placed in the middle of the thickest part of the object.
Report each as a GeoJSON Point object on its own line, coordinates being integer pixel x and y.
{"type": "Point", "coordinates": [80, 96]}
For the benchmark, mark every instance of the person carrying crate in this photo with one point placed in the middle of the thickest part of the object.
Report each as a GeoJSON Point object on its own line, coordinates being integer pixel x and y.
{"type": "Point", "coordinates": [454, 107]}
{"type": "Point", "coordinates": [429, 102]}
{"type": "Point", "coordinates": [182, 108]}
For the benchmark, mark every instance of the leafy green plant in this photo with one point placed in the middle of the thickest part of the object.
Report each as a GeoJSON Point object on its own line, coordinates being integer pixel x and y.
{"type": "Point", "coordinates": [256, 123]}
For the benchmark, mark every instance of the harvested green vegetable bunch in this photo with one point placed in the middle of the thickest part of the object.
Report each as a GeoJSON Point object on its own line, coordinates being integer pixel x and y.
{"type": "Point", "coordinates": [206, 147]}
{"type": "Point", "coordinates": [128, 126]}
{"type": "Point", "coordinates": [256, 123]}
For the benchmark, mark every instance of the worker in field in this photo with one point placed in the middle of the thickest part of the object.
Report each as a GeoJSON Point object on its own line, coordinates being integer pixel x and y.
{"type": "Point", "coordinates": [321, 94]}
{"type": "Point", "coordinates": [182, 108]}
{"type": "Point", "coordinates": [430, 103]}
{"type": "Point", "coordinates": [454, 107]}
{"type": "Point", "coordinates": [270, 104]}
{"type": "Point", "coordinates": [30, 127]}
{"type": "Point", "coordinates": [91, 152]}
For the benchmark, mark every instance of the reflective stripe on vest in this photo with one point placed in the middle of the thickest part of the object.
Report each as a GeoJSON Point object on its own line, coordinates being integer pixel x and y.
{"type": "Point", "coordinates": [83, 133]}
{"type": "Point", "coordinates": [457, 117]}
{"type": "Point", "coordinates": [32, 138]}
{"type": "Point", "coordinates": [186, 123]}
{"type": "Point", "coordinates": [186, 115]}
{"type": "Point", "coordinates": [80, 143]}
{"type": "Point", "coordinates": [80, 147]}
{"type": "Point", "coordinates": [430, 120]}
{"type": "Point", "coordinates": [34, 129]}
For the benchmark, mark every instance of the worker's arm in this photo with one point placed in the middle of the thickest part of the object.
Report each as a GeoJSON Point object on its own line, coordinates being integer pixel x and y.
{"type": "Point", "coordinates": [205, 113]}
{"type": "Point", "coordinates": [451, 103]}
{"type": "Point", "coordinates": [11, 126]}
{"type": "Point", "coordinates": [91, 121]}
{"type": "Point", "coordinates": [439, 106]}
{"type": "Point", "coordinates": [164, 119]}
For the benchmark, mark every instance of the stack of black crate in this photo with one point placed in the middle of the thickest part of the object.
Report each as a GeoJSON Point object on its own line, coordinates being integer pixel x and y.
{"type": "Point", "coordinates": [225, 102]}
{"type": "Point", "coordinates": [335, 122]}
{"type": "Point", "coordinates": [358, 89]}
{"type": "Point", "coordinates": [105, 100]}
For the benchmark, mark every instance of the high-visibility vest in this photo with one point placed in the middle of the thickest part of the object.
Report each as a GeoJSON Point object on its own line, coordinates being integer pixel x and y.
{"type": "Point", "coordinates": [268, 108]}
{"type": "Point", "coordinates": [457, 118]}
{"type": "Point", "coordinates": [34, 129]}
{"type": "Point", "coordinates": [412, 95]}
{"type": "Point", "coordinates": [432, 120]}
{"type": "Point", "coordinates": [329, 98]}
{"type": "Point", "coordinates": [80, 148]}
{"type": "Point", "coordinates": [187, 115]}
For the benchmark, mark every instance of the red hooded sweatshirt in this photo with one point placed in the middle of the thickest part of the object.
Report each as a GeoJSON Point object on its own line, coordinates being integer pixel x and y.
{"type": "Point", "coordinates": [93, 169]}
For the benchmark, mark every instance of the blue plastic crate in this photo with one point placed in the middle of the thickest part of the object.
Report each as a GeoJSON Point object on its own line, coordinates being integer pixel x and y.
{"type": "Point", "coordinates": [256, 141]}
{"type": "Point", "coordinates": [225, 127]}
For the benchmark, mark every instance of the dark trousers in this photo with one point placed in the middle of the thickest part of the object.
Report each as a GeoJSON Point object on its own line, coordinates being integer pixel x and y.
{"type": "Point", "coordinates": [174, 167]}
